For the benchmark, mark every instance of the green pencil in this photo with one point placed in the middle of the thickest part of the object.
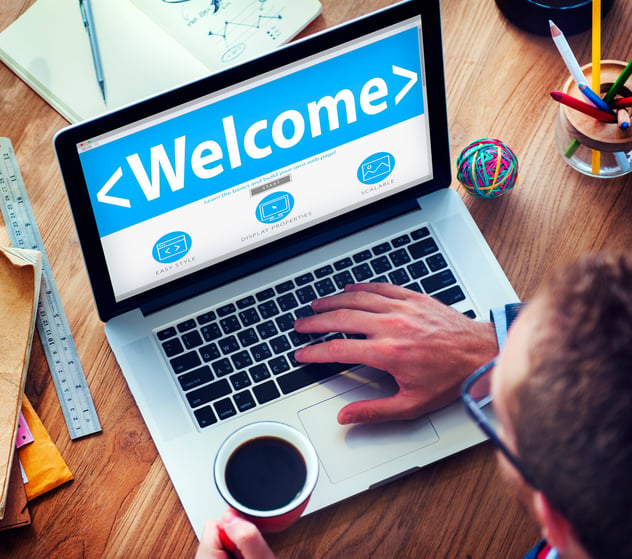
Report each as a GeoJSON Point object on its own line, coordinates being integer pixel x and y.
{"type": "Point", "coordinates": [614, 88]}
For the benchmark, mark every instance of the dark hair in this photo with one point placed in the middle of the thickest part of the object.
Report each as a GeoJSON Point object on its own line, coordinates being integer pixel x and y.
{"type": "Point", "coordinates": [573, 413]}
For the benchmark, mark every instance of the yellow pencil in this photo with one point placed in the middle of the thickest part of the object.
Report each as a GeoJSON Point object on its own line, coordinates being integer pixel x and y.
{"type": "Point", "coordinates": [596, 69]}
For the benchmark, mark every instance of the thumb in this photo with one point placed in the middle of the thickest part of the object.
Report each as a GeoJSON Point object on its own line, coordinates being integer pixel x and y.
{"type": "Point", "coordinates": [245, 536]}
{"type": "Point", "coordinates": [392, 408]}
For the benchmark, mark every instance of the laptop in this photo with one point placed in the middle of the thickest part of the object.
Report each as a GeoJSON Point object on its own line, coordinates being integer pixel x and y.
{"type": "Point", "coordinates": [210, 216]}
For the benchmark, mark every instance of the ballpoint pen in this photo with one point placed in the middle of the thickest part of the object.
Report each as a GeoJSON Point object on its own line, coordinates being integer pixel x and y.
{"type": "Point", "coordinates": [88, 22]}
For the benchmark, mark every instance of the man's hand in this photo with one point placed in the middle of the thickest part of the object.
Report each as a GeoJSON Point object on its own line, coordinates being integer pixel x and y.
{"type": "Point", "coordinates": [428, 347]}
{"type": "Point", "coordinates": [245, 536]}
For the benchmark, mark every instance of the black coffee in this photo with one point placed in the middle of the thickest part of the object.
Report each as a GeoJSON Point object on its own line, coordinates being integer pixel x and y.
{"type": "Point", "coordinates": [265, 473]}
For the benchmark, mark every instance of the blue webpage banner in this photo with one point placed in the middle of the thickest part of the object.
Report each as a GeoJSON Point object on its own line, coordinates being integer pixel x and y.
{"type": "Point", "coordinates": [234, 140]}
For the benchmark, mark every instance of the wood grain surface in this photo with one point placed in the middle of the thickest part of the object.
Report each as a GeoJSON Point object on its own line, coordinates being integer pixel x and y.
{"type": "Point", "coordinates": [122, 504]}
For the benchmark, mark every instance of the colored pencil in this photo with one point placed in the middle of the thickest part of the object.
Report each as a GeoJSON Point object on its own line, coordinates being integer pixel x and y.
{"type": "Point", "coordinates": [583, 107]}
{"type": "Point", "coordinates": [616, 86]}
{"type": "Point", "coordinates": [623, 118]}
{"type": "Point", "coordinates": [596, 69]}
{"type": "Point", "coordinates": [621, 103]}
{"type": "Point", "coordinates": [594, 98]}
{"type": "Point", "coordinates": [567, 54]}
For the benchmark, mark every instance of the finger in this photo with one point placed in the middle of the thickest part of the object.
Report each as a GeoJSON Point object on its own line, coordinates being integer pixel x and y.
{"type": "Point", "coordinates": [393, 408]}
{"type": "Point", "coordinates": [340, 320]}
{"type": "Point", "coordinates": [340, 351]}
{"type": "Point", "coordinates": [384, 289]}
{"type": "Point", "coordinates": [247, 538]}
{"type": "Point", "coordinates": [210, 546]}
{"type": "Point", "coordinates": [360, 297]}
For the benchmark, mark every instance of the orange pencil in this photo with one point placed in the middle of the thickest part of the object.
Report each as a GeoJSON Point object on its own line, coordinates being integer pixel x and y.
{"type": "Point", "coordinates": [623, 118]}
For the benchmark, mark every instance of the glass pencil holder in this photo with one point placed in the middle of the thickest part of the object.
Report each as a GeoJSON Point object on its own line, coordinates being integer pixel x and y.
{"type": "Point", "coordinates": [590, 146]}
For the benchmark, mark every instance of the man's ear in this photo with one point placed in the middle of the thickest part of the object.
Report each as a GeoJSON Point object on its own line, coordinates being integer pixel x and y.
{"type": "Point", "coordinates": [556, 530]}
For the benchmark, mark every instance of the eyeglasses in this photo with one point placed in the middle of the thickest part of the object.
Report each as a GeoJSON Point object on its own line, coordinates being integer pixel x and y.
{"type": "Point", "coordinates": [478, 403]}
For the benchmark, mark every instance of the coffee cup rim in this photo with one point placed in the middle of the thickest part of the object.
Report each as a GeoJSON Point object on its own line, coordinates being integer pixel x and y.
{"type": "Point", "coordinates": [266, 429]}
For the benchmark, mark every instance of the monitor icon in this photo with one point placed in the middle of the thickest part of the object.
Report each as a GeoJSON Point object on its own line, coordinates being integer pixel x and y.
{"type": "Point", "coordinates": [275, 207]}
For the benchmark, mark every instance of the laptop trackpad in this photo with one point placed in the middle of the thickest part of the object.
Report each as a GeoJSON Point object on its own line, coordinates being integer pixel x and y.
{"type": "Point", "coordinates": [346, 450]}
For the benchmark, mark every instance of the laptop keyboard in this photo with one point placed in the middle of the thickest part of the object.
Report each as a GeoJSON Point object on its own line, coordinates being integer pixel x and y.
{"type": "Point", "coordinates": [233, 357]}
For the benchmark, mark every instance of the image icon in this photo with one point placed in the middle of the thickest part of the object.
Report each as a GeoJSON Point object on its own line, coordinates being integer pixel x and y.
{"type": "Point", "coordinates": [171, 247]}
{"type": "Point", "coordinates": [275, 207]}
{"type": "Point", "coordinates": [376, 167]}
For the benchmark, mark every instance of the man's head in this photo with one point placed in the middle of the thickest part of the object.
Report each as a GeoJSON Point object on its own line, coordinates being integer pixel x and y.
{"type": "Point", "coordinates": [563, 394]}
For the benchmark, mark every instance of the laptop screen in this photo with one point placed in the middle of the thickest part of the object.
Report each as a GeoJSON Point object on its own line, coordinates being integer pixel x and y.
{"type": "Point", "coordinates": [259, 160]}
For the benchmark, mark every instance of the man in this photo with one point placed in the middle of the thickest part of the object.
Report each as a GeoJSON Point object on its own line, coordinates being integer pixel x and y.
{"type": "Point", "coordinates": [561, 387]}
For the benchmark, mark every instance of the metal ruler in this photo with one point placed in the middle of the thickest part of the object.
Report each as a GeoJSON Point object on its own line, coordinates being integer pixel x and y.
{"type": "Point", "coordinates": [52, 325]}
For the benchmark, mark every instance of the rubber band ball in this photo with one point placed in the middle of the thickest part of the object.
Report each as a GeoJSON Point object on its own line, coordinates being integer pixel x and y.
{"type": "Point", "coordinates": [487, 168]}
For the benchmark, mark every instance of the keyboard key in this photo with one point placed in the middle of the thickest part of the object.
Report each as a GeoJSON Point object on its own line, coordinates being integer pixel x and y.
{"type": "Point", "coordinates": [470, 313]}
{"type": "Point", "coordinates": [436, 262]}
{"type": "Point", "coordinates": [306, 294]}
{"type": "Point", "coordinates": [226, 310]}
{"type": "Point", "coordinates": [247, 337]}
{"type": "Point", "coordinates": [209, 352]}
{"type": "Point", "coordinates": [362, 272]}
{"type": "Point", "coordinates": [261, 352]}
{"type": "Point", "coordinates": [287, 302]}
{"type": "Point", "coordinates": [211, 332]}
{"type": "Point", "coordinates": [241, 359]}
{"type": "Point", "coordinates": [343, 278]}
{"type": "Point", "coordinates": [244, 401]}
{"type": "Point", "coordinates": [230, 324]}
{"type": "Point", "coordinates": [304, 279]}
{"type": "Point", "coordinates": [399, 277]}
{"type": "Point", "coordinates": [362, 256]}
{"type": "Point", "coordinates": [206, 318]}
{"type": "Point", "coordinates": [185, 362]}
{"type": "Point", "coordinates": [222, 367]}
{"type": "Point", "coordinates": [278, 365]}
{"type": "Point", "coordinates": [323, 271]}
{"type": "Point", "coordinates": [285, 322]}
{"type": "Point", "coordinates": [240, 380]}
{"type": "Point", "coordinates": [208, 393]}
{"type": "Point", "coordinates": [420, 233]}
{"type": "Point", "coordinates": [225, 408]}
{"type": "Point", "coordinates": [186, 325]}
{"type": "Point", "coordinates": [259, 372]}
{"type": "Point", "coordinates": [249, 316]}
{"type": "Point", "coordinates": [310, 374]}
{"type": "Point", "coordinates": [298, 339]}
{"type": "Point", "coordinates": [268, 309]}
{"type": "Point", "coordinates": [423, 248]}
{"type": "Point", "coordinates": [192, 339]}
{"type": "Point", "coordinates": [304, 312]}
{"type": "Point", "coordinates": [265, 294]}
{"type": "Point", "coordinates": [268, 329]}
{"type": "Point", "coordinates": [414, 287]}
{"type": "Point", "coordinates": [381, 265]}
{"type": "Point", "coordinates": [172, 347]}
{"type": "Point", "coordinates": [205, 416]}
{"type": "Point", "coordinates": [399, 257]}
{"type": "Point", "coordinates": [195, 378]}
{"type": "Point", "coordinates": [400, 241]}
{"type": "Point", "coordinates": [166, 333]}
{"type": "Point", "coordinates": [438, 281]}
{"type": "Point", "coordinates": [325, 287]}
{"type": "Point", "coordinates": [266, 392]}
{"type": "Point", "coordinates": [382, 248]}
{"type": "Point", "coordinates": [284, 287]}
{"type": "Point", "coordinates": [228, 345]}
{"type": "Point", "coordinates": [418, 269]}
{"type": "Point", "coordinates": [280, 344]}
{"type": "Point", "coordinates": [246, 302]}
{"type": "Point", "coordinates": [450, 296]}
{"type": "Point", "coordinates": [342, 264]}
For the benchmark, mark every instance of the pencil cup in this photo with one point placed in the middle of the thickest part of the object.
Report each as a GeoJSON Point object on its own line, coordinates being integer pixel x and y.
{"type": "Point", "coordinates": [595, 148]}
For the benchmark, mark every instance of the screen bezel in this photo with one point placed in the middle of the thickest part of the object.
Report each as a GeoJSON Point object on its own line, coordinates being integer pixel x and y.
{"type": "Point", "coordinates": [66, 141]}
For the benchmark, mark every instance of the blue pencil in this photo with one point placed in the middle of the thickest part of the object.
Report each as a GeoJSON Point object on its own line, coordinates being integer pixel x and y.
{"type": "Point", "coordinates": [594, 98]}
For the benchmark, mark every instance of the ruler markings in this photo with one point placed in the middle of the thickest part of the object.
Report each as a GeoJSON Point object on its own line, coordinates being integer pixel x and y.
{"type": "Point", "coordinates": [52, 325]}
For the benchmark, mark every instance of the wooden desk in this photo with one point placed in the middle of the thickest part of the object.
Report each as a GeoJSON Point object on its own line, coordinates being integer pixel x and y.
{"type": "Point", "coordinates": [121, 503]}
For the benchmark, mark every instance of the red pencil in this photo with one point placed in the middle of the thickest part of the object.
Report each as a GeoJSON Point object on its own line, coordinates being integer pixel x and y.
{"type": "Point", "coordinates": [621, 103]}
{"type": "Point", "coordinates": [585, 108]}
